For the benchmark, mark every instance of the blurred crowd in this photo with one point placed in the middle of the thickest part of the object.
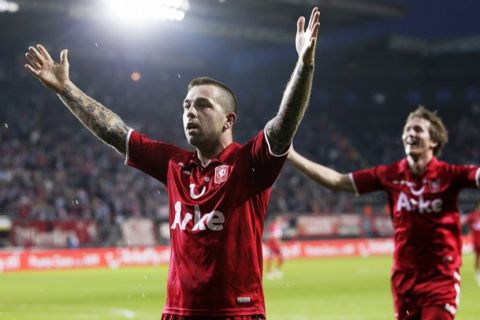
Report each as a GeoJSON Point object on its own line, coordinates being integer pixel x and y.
{"type": "Point", "coordinates": [52, 168]}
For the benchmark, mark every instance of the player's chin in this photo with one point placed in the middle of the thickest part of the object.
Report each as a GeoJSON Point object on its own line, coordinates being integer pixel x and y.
{"type": "Point", "coordinates": [412, 151]}
{"type": "Point", "coordinates": [194, 140]}
{"type": "Point", "coordinates": [190, 139]}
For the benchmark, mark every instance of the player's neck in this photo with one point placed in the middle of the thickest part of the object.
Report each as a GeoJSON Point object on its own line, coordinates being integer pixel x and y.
{"type": "Point", "coordinates": [206, 154]}
{"type": "Point", "coordinates": [418, 163]}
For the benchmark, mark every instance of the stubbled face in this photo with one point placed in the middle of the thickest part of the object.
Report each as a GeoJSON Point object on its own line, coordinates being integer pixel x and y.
{"type": "Point", "coordinates": [416, 137]}
{"type": "Point", "coordinates": [203, 117]}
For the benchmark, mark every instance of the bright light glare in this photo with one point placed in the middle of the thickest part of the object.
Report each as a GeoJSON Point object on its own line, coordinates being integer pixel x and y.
{"type": "Point", "coordinates": [8, 6]}
{"type": "Point", "coordinates": [142, 11]}
{"type": "Point", "coordinates": [135, 76]}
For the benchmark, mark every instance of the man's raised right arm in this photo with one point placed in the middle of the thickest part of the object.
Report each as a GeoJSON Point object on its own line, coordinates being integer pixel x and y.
{"type": "Point", "coordinates": [324, 176]}
{"type": "Point", "coordinates": [101, 121]}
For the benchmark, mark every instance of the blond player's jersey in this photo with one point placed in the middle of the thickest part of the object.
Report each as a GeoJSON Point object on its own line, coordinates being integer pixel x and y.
{"type": "Point", "coordinates": [424, 210]}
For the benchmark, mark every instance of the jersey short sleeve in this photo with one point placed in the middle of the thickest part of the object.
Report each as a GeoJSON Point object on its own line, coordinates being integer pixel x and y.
{"type": "Point", "coordinates": [466, 176]}
{"type": "Point", "coordinates": [149, 156]}
{"type": "Point", "coordinates": [367, 180]}
{"type": "Point", "coordinates": [266, 164]}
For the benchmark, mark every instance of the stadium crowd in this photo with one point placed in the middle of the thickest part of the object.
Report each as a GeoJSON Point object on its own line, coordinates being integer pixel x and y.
{"type": "Point", "coordinates": [51, 168]}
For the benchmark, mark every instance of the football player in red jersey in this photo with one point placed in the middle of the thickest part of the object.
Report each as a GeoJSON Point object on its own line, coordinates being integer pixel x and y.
{"type": "Point", "coordinates": [474, 226]}
{"type": "Point", "coordinates": [217, 194]}
{"type": "Point", "coordinates": [274, 244]}
{"type": "Point", "coordinates": [422, 193]}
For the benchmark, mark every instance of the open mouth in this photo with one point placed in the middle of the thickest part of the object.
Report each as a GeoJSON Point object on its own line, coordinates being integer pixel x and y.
{"type": "Point", "coordinates": [411, 142]}
{"type": "Point", "coordinates": [191, 126]}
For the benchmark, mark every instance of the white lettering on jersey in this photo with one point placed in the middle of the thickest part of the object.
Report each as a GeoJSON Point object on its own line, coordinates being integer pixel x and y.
{"type": "Point", "coordinates": [177, 219]}
{"type": "Point", "coordinates": [420, 204]}
{"type": "Point", "coordinates": [424, 206]}
{"type": "Point", "coordinates": [403, 202]}
{"type": "Point", "coordinates": [213, 220]}
{"type": "Point", "coordinates": [192, 191]}
{"type": "Point", "coordinates": [437, 205]}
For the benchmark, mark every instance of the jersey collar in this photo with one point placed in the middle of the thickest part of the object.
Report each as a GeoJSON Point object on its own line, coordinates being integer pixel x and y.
{"type": "Point", "coordinates": [224, 157]}
{"type": "Point", "coordinates": [431, 165]}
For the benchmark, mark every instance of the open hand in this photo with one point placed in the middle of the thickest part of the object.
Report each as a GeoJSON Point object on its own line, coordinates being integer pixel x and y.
{"type": "Point", "coordinates": [41, 65]}
{"type": "Point", "coordinates": [305, 41]}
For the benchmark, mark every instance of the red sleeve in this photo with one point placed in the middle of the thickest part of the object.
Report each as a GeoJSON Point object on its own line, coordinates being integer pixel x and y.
{"type": "Point", "coordinates": [266, 164]}
{"type": "Point", "coordinates": [466, 176]}
{"type": "Point", "coordinates": [150, 156]}
{"type": "Point", "coordinates": [367, 180]}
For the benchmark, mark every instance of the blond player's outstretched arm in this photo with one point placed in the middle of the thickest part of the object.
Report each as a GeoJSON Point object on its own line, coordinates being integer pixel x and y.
{"type": "Point", "coordinates": [281, 129]}
{"type": "Point", "coordinates": [327, 177]}
{"type": "Point", "coordinates": [101, 121]}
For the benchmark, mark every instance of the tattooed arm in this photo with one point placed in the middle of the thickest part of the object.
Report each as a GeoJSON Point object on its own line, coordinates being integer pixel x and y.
{"type": "Point", "coordinates": [101, 121]}
{"type": "Point", "coordinates": [281, 129]}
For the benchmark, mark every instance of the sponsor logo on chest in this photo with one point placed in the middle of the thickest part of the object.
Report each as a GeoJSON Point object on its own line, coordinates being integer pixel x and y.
{"type": "Point", "coordinates": [414, 199]}
{"type": "Point", "coordinates": [213, 220]}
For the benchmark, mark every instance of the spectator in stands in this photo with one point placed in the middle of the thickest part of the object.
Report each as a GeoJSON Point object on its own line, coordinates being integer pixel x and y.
{"type": "Point", "coordinates": [422, 192]}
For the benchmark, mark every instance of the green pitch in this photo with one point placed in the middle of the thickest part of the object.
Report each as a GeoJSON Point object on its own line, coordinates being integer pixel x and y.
{"type": "Point", "coordinates": [333, 289]}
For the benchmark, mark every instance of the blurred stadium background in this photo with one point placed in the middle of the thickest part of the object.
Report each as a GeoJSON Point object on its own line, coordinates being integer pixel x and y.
{"type": "Point", "coordinates": [61, 189]}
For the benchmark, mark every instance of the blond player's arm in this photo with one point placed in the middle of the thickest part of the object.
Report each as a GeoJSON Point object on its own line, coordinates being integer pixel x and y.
{"type": "Point", "coordinates": [326, 177]}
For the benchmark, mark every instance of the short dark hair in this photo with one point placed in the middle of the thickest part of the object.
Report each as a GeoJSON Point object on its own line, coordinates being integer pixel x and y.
{"type": "Point", "coordinates": [438, 131]}
{"type": "Point", "coordinates": [227, 100]}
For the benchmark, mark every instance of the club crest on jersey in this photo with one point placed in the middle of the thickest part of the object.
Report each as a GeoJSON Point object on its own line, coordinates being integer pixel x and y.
{"type": "Point", "coordinates": [434, 185]}
{"type": "Point", "coordinates": [221, 174]}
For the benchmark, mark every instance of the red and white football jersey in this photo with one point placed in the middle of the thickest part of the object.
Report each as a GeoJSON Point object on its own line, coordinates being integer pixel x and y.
{"type": "Point", "coordinates": [424, 210]}
{"type": "Point", "coordinates": [216, 223]}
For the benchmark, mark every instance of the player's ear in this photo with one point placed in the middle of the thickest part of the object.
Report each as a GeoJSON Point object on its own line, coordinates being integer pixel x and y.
{"type": "Point", "coordinates": [230, 119]}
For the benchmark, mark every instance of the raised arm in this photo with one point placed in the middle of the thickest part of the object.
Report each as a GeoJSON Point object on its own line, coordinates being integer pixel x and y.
{"type": "Point", "coordinates": [281, 129]}
{"type": "Point", "coordinates": [101, 121]}
{"type": "Point", "coordinates": [327, 177]}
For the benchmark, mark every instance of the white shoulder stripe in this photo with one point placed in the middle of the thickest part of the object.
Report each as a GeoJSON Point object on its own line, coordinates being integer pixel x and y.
{"type": "Point", "coordinates": [477, 178]}
{"type": "Point", "coordinates": [127, 143]}
{"type": "Point", "coordinates": [350, 176]}
{"type": "Point", "coordinates": [270, 149]}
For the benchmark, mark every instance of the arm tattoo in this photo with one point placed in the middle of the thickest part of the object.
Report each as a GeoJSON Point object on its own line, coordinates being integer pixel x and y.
{"type": "Point", "coordinates": [101, 121]}
{"type": "Point", "coordinates": [282, 127]}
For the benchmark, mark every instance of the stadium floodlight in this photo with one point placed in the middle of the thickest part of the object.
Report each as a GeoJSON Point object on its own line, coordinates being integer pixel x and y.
{"type": "Point", "coordinates": [8, 6]}
{"type": "Point", "coordinates": [139, 12]}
